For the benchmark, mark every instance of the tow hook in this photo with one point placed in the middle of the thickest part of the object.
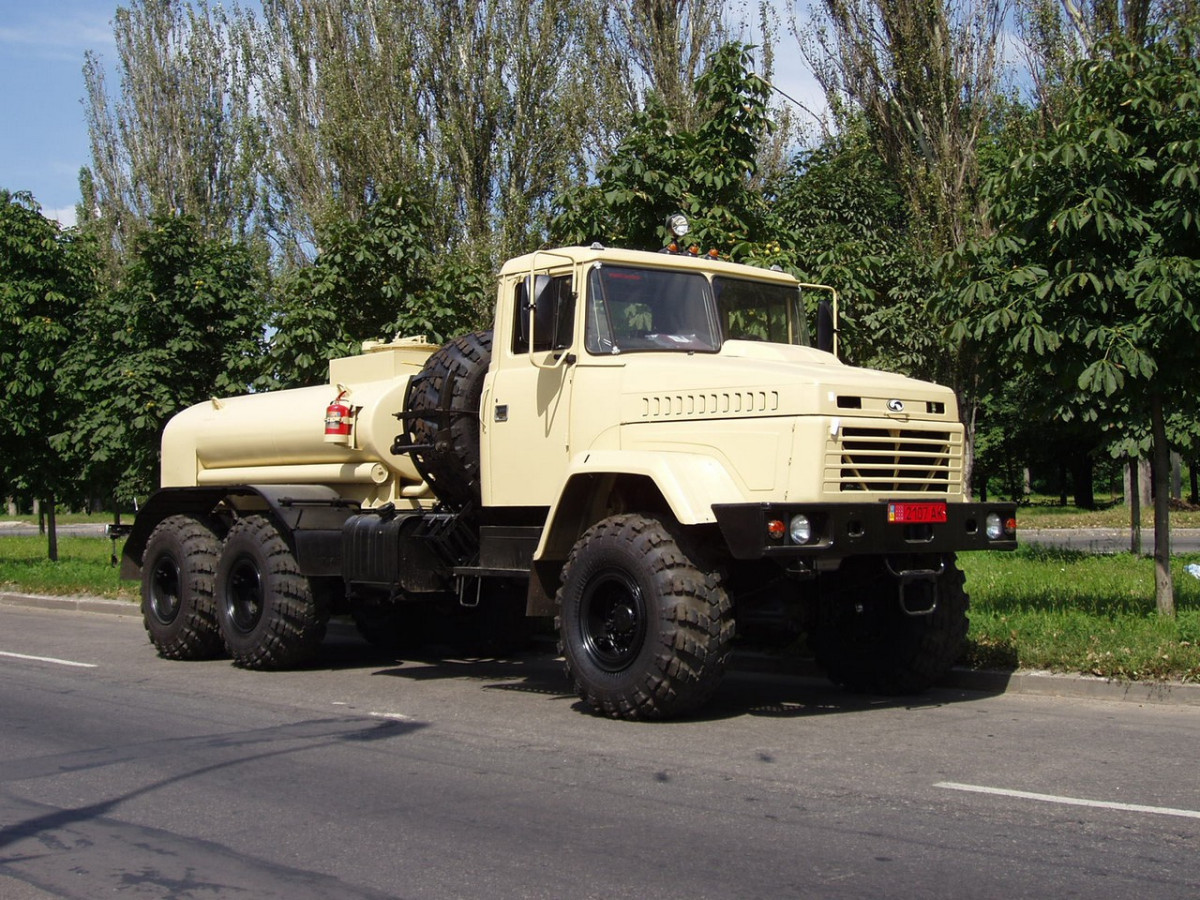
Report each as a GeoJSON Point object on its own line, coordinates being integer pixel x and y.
{"type": "Point", "coordinates": [916, 589]}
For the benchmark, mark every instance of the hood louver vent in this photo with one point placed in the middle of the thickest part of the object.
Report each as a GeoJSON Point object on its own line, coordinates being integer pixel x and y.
{"type": "Point", "coordinates": [710, 404]}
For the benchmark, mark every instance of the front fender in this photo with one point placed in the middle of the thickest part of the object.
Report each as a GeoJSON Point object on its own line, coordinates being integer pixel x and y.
{"type": "Point", "coordinates": [690, 484]}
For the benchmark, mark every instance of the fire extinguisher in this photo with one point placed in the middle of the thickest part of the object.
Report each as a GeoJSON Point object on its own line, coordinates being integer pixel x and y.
{"type": "Point", "coordinates": [338, 421]}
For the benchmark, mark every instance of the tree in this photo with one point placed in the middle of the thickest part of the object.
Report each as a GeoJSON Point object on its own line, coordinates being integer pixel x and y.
{"type": "Point", "coordinates": [488, 108]}
{"type": "Point", "coordinates": [46, 276]}
{"type": "Point", "coordinates": [659, 169]}
{"type": "Point", "coordinates": [924, 73]}
{"type": "Point", "coordinates": [660, 48]}
{"type": "Point", "coordinates": [182, 133]}
{"type": "Point", "coordinates": [1056, 34]}
{"type": "Point", "coordinates": [374, 278]}
{"type": "Point", "coordinates": [184, 324]}
{"type": "Point", "coordinates": [1094, 273]}
{"type": "Point", "coordinates": [845, 221]}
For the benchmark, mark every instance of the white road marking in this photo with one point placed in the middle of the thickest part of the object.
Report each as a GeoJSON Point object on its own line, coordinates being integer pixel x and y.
{"type": "Point", "coordinates": [399, 717]}
{"type": "Point", "coordinates": [1070, 801]}
{"type": "Point", "coordinates": [50, 659]}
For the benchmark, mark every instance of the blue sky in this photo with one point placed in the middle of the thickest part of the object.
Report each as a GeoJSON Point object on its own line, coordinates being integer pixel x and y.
{"type": "Point", "coordinates": [44, 139]}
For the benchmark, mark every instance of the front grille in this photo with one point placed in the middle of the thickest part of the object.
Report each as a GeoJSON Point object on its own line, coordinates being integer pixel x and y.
{"type": "Point", "coordinates": [894, 460]}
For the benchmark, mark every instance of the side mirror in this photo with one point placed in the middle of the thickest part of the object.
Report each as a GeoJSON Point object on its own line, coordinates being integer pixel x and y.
{"type": "Point", "coordinates": [826, 327]}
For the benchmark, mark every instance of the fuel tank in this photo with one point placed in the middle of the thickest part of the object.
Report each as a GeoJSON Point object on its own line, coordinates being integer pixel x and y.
{"type": "Point", "coordinates": [279, 437]}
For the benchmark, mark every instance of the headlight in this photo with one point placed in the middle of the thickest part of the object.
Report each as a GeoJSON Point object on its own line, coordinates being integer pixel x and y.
{"type": "Point", "coordinates": [801, 529]}
{"type": "Point", "coordinates": [994, 526]}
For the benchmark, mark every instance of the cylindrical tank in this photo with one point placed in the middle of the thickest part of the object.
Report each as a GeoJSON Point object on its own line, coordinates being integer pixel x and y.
{"type": "Point", "coordinates": [279, 437]}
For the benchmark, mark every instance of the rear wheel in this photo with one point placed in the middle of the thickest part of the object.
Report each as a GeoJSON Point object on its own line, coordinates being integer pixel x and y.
{"type": "Point", "coordinates": [178, 608]}
{"type": "Point", "coordinates": [865, 641]}
{"type": "Point", "coordinates": [644, 629]}
{"type": "Point", "coordinates": [269, 615]}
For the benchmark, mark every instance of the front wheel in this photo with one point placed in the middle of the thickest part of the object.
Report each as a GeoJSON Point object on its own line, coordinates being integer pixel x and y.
{"type": "Point", "coordinates": [644, 629]}
{"type": "Point", "coordinates": [865, 641]}
{"type": "Point", "coordinates": [270, 617]}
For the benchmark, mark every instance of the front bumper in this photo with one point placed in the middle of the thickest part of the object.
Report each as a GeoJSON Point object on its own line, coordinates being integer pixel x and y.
{"type": "Point", "coordinates": [856, 529]}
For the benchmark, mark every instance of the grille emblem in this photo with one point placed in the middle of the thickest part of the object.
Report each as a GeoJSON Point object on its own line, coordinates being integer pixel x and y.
{"type": "Point", "coordinates": [895, 405]}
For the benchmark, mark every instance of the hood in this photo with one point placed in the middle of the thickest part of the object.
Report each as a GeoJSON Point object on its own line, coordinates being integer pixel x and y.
{"type": "Point", "coordinates": [751, 379]}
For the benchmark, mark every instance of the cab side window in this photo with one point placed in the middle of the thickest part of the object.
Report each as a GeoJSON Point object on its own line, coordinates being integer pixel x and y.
{"type": "Point", "coordinates": [554, 314]}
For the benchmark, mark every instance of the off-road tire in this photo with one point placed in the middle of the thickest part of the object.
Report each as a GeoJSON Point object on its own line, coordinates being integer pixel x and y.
{"type": "Point", "coordinates": [178, 569]}
{"type": "Point", "coordinates": [451, 424]}
{"type": "Point", "coordinates": [645, 629]}
{"type": "Point", "coordinates": [865, 641]}
{"type": "Point", "coordinates": [269, 615]}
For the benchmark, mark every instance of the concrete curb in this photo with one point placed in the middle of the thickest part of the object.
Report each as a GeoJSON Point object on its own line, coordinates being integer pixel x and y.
{"type": "Point", "coordinates": [984, 681]}
{"type": "Point", "coordinates": [77, 603]}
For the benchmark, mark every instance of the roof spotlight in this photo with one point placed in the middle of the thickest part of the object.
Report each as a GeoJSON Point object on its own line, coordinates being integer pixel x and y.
{"type": "Point", "coordinates": [677, 224]}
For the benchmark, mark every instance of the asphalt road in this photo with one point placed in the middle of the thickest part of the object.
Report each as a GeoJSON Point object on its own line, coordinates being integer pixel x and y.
{"type": "Point", "coordinates": [125, 775]}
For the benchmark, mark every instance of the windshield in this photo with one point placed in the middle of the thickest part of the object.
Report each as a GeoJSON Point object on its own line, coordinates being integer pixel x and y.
{"type": "Point", "coordinates": [760, 311]}
{"type": "Point", "coordinates": [631, 309]}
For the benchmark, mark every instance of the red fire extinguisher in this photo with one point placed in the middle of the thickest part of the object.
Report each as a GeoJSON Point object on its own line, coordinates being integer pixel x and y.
{"type": "Point", "coordinates": [338, 421]}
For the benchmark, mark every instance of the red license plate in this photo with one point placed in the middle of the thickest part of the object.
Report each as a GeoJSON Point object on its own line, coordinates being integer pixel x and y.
{"type": "Point", "coordinates": [909, 513]}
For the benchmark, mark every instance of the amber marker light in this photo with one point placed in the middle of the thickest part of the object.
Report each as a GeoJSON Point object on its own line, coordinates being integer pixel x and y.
{"type": "Point", "coordinates": [776, 529]}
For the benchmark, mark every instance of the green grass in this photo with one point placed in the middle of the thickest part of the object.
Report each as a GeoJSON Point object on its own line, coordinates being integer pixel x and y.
{"type": "Point", "coordinates": [84, 567]}
{"type": "Point", "coordinates": [1035, 609]}
{"type": "Point", "coordinates": [1041, 512]}
{"type": "Point", "coordinates": [1073, 612]}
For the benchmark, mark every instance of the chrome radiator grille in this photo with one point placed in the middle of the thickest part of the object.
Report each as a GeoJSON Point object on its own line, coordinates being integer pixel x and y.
{"type": "Point", "coordinates": [894, 460]}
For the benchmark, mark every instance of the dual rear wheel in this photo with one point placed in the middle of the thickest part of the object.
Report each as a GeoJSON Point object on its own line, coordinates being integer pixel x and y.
{"type": "Point", "coordinates": [244, 596]}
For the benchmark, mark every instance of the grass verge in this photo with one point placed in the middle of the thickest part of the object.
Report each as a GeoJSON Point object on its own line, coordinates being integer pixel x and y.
{"type": "Point", "coordinates": [84, 567]}
{"type": "Point", "coordinates": [1067, 611]}
{"type": "Point", "coordinates": [1063, 611]}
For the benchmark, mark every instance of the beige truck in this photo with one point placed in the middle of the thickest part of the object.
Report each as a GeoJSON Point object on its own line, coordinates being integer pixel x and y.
{"type": "Point", "coordinates": [646, 449]}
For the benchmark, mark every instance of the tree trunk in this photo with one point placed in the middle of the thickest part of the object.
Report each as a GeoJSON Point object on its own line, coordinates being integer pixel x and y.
{"type": "Point", "coordinates": [1083, 475]}
{"type": "Point", "coordinates": [1164, 590]}
{"type": "Point", "coordinates": [1194, 496]}
{"type": "Point", "coordinates": [51, 530]}
{"type": "Point", "coordinates": [1134, 496]}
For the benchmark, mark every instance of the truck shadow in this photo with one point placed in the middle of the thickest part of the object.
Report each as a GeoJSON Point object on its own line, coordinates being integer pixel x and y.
{"type": "Point", "coordinates": [753, 686]}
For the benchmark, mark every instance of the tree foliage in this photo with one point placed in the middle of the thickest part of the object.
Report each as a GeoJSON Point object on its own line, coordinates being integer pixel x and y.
{"type": "Point", "coordinates": [182, 132]}
{"type": "Point", "coordinates": [705, 173]}
{"type": "Point", "coordinates": [374, 278]}
{"type": "Point", "coordinates": [925, 76]}
{"type": "Point", "coordinates": [184, 324]}
{"type": "Point", "coordinates": [46, 276]}
{"type": "Point", "coordinates": [1093, 274]}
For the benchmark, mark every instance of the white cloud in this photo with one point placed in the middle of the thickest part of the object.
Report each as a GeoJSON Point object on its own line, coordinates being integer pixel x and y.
{"type": "Point", "coordinates": [65, 216]}
{"type": "Point", "coordinates": [61, 37]}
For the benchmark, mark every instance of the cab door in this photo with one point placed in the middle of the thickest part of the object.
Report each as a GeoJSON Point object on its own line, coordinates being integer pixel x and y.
{"type": "Point", "coordinates": [526, 405]}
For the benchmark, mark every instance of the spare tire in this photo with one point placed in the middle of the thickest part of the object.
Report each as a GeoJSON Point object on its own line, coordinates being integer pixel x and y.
{"type": "Point", "coordinates": [443, 422]}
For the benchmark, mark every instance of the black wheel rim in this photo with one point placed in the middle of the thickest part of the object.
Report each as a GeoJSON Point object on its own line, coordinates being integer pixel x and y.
{"type": "Point", "coordinates": [612, 620]}
{"type": "Point", "coordinates": [164, 590]}
{"type": "Point", "coordinates": [244, 595]}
